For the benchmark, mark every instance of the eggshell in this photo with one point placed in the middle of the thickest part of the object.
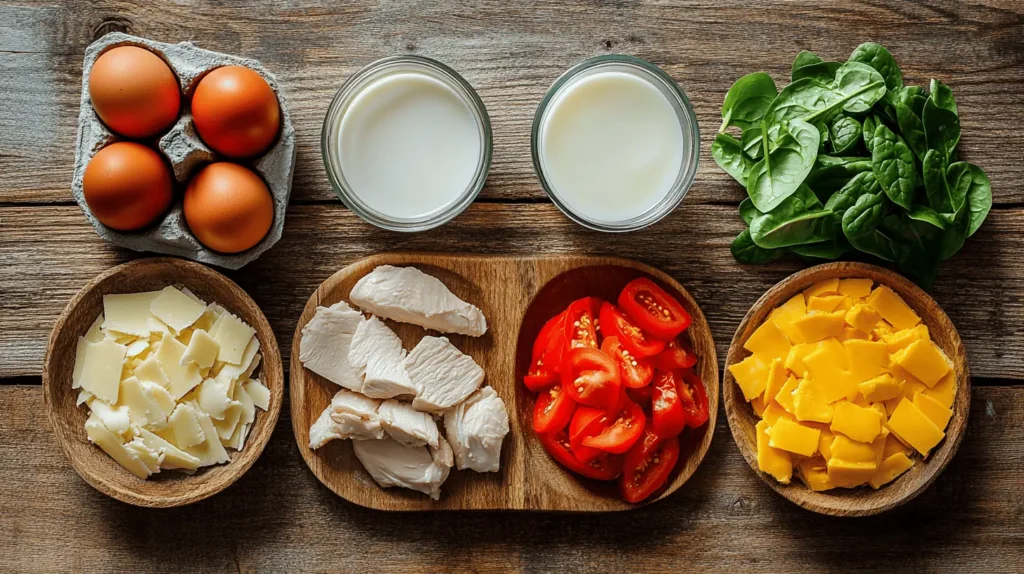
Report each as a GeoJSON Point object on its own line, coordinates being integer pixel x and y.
{"type": "Point", "coordinates": [134, 92]}
{"type": "Point", "coordinates": [228, 207]}
{"type": "Point", "coordinates": [127, 186]}
{"type": "Point", "coordinates": [235, 112]}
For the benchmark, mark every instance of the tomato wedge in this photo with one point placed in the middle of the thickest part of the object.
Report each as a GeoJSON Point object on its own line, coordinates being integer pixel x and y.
{"type": "Point", "coordinates": [581, 322]}
{"type": "Point", "coordinates": [653, 310]}
{"type": "Point", "coordinates": [553, 410]}
{"type": "Point", "coordinates": [635, 371]}
{"type": "Point", "coordinates": [546, 357]}
{"type": "Point", "coordinates": [668, 415]}
{"type": "Point", "coordinates": [604, 467]}
{"type": "Point", "coordinates": [647, 466]}
{"type": "Point", "coordinates": [591, 378]}
{"type": "Point", "coordinates": [697, 406]}
{"type": "Point", "coordinates": [641, 396]}
{"type": "Point", "coordinates": [678, 354]}
{"type": "Point", "coordinates": [586, 422]}
{"type": "Point", "coordinates": [626, 428]}
{"type": "Point", "coordinates": [614, 323]}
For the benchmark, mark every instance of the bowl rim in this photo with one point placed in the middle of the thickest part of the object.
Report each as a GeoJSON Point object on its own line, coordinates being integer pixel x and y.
{"type": "Point", "coordinates": [850, 502]}
{"type": "Point", "coordinates": [240, 462]}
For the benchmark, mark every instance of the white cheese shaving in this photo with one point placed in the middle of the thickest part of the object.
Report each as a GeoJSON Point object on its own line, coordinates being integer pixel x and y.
{"type": "Point", "coordinates": [101, 369]}
{"type": "Point", "coordinates": [233, 336]}
{"type": "Point", "coordinates": [177, 310]}
{"type": "Point", "coordinates": [202, 350]}
{"type": "Point", "coordinates": [129, 313]}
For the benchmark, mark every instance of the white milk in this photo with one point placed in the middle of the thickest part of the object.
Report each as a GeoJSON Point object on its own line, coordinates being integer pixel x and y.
{"type": "Point", "coordinates": [611, 146]}
{"type": "Point", "coordinates": [409, 146]}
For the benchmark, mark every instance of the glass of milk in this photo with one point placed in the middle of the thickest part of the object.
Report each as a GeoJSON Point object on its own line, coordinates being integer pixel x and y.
{"type": "Point", "coordinates": [615, 143]}
{"type": "Point", "coordinates": [407, 143]}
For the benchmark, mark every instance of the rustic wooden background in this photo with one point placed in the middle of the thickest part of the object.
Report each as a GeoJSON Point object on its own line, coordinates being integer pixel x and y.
{"type": "Point", "coordinates": [278, 517]}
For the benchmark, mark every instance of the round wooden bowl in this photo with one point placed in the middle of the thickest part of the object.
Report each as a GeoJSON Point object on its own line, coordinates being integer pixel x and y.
{"type": "Point", "coordinates": [167, 488]}
{"type": "Point", "coordinates": [861, 501]}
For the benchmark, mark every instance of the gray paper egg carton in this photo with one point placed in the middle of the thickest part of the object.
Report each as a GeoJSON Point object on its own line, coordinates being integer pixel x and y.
{"type": "Point", "coordinates": [185, 151]}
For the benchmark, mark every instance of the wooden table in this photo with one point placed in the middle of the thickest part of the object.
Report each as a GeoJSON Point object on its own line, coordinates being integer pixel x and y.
{"type": "Point", "coordinates": [278, 517]}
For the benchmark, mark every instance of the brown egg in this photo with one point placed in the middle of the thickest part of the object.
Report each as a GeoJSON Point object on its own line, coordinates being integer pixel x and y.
{"type": "Point", "coordinates": [235, 112]}
{"type": "Point", "coordinates": [134, 92]}
{"type": "Point", "coordinates": [127, 186]}
{"type": "Point", "coordinates": [228, 207]}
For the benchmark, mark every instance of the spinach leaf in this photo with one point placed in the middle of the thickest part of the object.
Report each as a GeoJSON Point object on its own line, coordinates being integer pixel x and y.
{"type": "Point", "coordinates": [861, 86]}
{"type": "Point", "coordinates": [728, 154]}
{"type": "Point", "coordinates": [831, 249]}
{"type": "Point", "coordinates": [933, 170]}
{"type": "Point", "coordinates": [876, 243]}
{"type": "Point", "coordinates": [747, 101]}
{"type": "Point", "coordinates": [830, 173]}
{"type": "Point", "coordinates": [912, 128]}
{"type": "Point", "coordinates": [808, 65]}
{"type": "Point", "coordinates": [865, 215]}
{"type": "Point", "coordinates": [845, 134]}
{"type": "Point", "coordinates": [892, 162]}
{"type": "Point", "coordinates": [782, 169]}
{"type": "Point", "coordinates": [802, 99]}
{"type": "Point", "coordinates": [913, 97]}
{"type": "Point", "coordinates": [870, 123]}
{"type": "Point", "coordinates": [955, 235]}
{"type": "Point", "coordinates": [915, 246]}
{"type": "Point", "coordinates": [966, 180]}
{"type": "Point", "coordinates": [747, 211]}
{"type": "Point", "coordinates": [941, 122]}
{"type": "Point", "coordinates": [797, 220]}
{"type": "Point", "coordinates": [862, 183]}
{"type": "Point", "coordinates": [942, 96]}
{"type": "Point", "coordinates": [876, 56]}
{"type": "Point", "coordinates": [865, 239]}
{"type": "Point", "coordinates": [745, 250]}
{"type": "Point", "coordinates": [751, 142]}
{"type": "Point", "coordinates": [927, 215]}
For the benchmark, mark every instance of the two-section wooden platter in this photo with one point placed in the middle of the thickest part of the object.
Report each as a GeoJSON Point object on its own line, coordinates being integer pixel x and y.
{"type": "Point", "coordinates": [517, 295]}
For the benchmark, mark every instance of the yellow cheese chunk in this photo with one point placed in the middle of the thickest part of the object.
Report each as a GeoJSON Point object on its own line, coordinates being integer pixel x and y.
{"type": "Point", "coordinates": [751, 375]}
{"type": "Point", "coordinates": [863, 318]}
{"type": "Point", "coordinates": [900, 340]}
{"type": "Point", "coordinates": [893, 445]}
{"type": "Point", "coordinates": [776, 380]}
{"type": "Point", "coordinates": [825, 439]}
{"type": "Point", "coordinates": [846, 474]}
{"type": "Point", "coordinates": [867, 359]}
{"type": "Point", "coordinates": [855, 287]}
{"type": "Point", "coordinates": [793, 437]}
{"type": "Point", "coordinates": [768, 341]}
{"type": "Point", "coordinates": [847, 303]}
{"type": "Point", "coordinates": [757, 403]}
{"type": "Point", "coordinates": [809, 403]}
{"type": "Point", "coordinates": [944, 391]}
{"type": "Point", "coordinates": [881, 388]}
{"type": "Point", "coordinates": [785, 395]}
{"type": "Point", "coordinates": [770, 460]}
{"type": "Point", "coordinates": [851, 334]}
{"type": "Point", "coordinates": [845, 448]}
{"type": "Point", "coordinates": [823, 287]}
{"type": "Point", "coordinates": [882, 329]}
{"type": "Point", "coordinates": [859, 423]}
{"type": "Point", "coordinates": [784, 315]}
{"type": "Point", "coordinates": [914, 427]}
{"type": "Point", "coordinates": [892, 308]}
{"type": "Point", "coordinates": [774, 412]}
{"type": "Point", "coordinates": [815, 326]}
{"type": "Point", "coordinates": [834, 381]}
{"type": "Point", "coordinates": [795, 359]}
{"type": "Point", "coordinates": [824, 303]}
{"type": "Point", "coordinates": [923, 360]}
{"type": "Point", "coordinates": [933, 409]}
{"type": "Point", "coordinates": [815, 479]}
{"type": "Point", "coordinates": [890, 468]}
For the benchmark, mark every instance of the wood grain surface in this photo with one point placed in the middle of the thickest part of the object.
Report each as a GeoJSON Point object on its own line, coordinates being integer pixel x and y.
{"type": "Point", "coordinates": [278, 517]}
{"type": "Point", "coordinates": [517, 296]}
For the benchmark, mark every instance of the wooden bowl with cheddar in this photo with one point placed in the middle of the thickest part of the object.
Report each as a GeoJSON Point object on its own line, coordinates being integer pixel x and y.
{"type": "Point", "coordinates": [847, 389]}
{"type": "Point", "coordinates": [162, 382]}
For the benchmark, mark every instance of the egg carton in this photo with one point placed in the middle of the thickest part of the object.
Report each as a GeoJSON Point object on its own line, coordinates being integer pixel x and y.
{"type": "Point", "coordinates": [186, 152]}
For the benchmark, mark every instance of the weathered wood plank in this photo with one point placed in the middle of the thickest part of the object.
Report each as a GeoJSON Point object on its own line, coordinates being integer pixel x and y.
{"type": "Point", "coordinates": [279, 518]}
{"type": "Point", "coordinates": [49, 252]}
{"type": "Point", "coordinates": [512, 52]}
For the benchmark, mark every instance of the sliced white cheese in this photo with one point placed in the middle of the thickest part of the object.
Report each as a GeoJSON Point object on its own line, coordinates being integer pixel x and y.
{"type": "Point", "coordinates": [83, 397]}
{"type": "Point", "coordinates": [193, 296]}
{"type": "Point", "coordinates": [116, 419]}
{"type": "Point", "coordinates": [76, 374]}
{"type": "Point", "coordinates": [129, 313]}
{"type": "Point", "coordinates": [150, 370]}
{"type": "Point", "coordinates": [101, 369]}
{"type": "Point", "coordinates": [177, 310]}
{"type": "Point", "coordinates": [245, 403]}
{"type": "Point", "coordinates": [183, 378]}
{"type": "Point", "coordinates": [112, 445]}
{"type": "Point", "coordinates": [259, 394]}
{"type": "Point", "coordinates": [214, 398]}
{"type": "Point", "coordinates": [95, 334]}
{"type": "Point", "coordinates": [226, 426]}
{"type": "Point", "coordinates": [183, 429]}
{"type": "Point", "coordinates": [201, 350]}
{"type": "Point", "coordinates": [148, 403]}
{"type": "Point", "coordinates": [233, 336]}
{"type": "Point", "coordinates": [210, 451]}
{"type": "Point", "coordinates": [205, 321]}
{"type": "Point", "coordinates": [250, 354]}
{"type": "Point", "coordinates": [148, 456]}
{"type": "Point", "coordinates": [173, 457]}
{"type": "Point", "coordinates": [137, 347]}
{"type": "Point", "coordinates": [237, 440]}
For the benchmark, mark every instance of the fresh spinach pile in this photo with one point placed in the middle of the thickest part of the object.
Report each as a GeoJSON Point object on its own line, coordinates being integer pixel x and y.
{"type": "Point", "coordinates": [847, 159]}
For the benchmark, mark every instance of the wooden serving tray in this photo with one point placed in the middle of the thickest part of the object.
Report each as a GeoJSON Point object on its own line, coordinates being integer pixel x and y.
{"type": "Point", "coordinates": [517, 295]}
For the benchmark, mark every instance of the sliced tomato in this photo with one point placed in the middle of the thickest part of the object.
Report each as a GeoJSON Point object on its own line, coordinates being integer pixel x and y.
{"type": "Point", "coordinates": [546, 357]}
{"type": "Point", "coordinates": [641, 396]}
{"type": "Point", "coordinates": [697, 406]}
{"type": "Point", "coordinates": [636, 372]}
{"type": "Point", "coordinates": [586, 422]}
{"type": "Point", "coordinates": [647, 466]}
{"type": "Point", "coordinates": [581, 322]}
{"type": "Point", "coordinates": [604, 467]}
{"type": "Point", "coordinates": [625, 429]}
{"type": "Point", "coordinates": [678, 354]}
{"type": "Point", "coordinates": [653, 310]}
{"type": "Point", "coordinates": [668, 416]}
{"type": "Point", "coordinates": [553, 410]}
{"type": "Point", "coordinates": [591, 378]}
{"type": "Point", "coordinates": [614, 323]}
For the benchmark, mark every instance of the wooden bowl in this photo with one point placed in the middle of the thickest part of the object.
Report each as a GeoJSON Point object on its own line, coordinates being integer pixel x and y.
{"type": "Point", "coordinates": [167, 488]}
{"type": "Point", "coordinates": [861, 501]}
{"type": "Point", "coordinates": [517, 295]}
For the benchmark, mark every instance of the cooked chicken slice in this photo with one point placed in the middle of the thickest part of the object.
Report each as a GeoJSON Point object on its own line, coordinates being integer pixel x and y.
{"type": "Point", "coordinates": [350, 415]}
{"type": "Point", "coordinates": [409, 295]}
{"type": "Point", "coordinates": [325, 344]}
{"type": "Point", "coordinates": [408, 425]}
{"type": "Point", "coordinates": [392, 464]}
{"type": "Point", "coordinates": [376, 357]}
{"type": "Point", "coordinates": [323, 430]}
{"type": "Point", "coordinates": [442, 375]}
{"type": "Point", "coordinates": [476, 428]}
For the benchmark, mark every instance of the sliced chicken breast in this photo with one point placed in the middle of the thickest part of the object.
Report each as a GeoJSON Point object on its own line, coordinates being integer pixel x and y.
{"type": "Point", "coordinates": [325, 344]}
{"type": "Point", "coordinates": [392, 464]}
{"type": "Point", "coordinates": [376, 357]}
{"type": "Point", "coordinates": [409, 295]}
{"type": "Point", "coordinates": [442, 375]}
{"type": "Point", "coordinates": [407, 425]}
{"type": "Point", "coordinates": [323, 430]}
{"type": "Point", "coordinates": [476, 428]}
{"type": "Point", "coordinates": [355, 416]}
